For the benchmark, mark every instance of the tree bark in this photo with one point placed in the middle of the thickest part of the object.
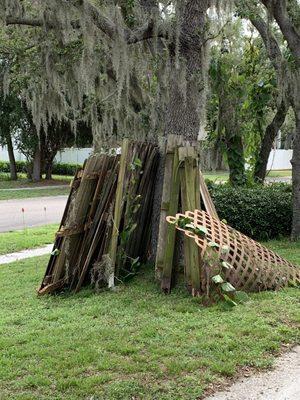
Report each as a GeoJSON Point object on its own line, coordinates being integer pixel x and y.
{"type": "Point", "coordinates": [230, 130]}
{"type": "Point", "coordinates": [296, 179]}
{"type": "Point", "coordinates": [236, 160]}
{"type": "Point", "coordinates": [271, 132]}
{"type": "Point", "coordinates": [186, 105]}
{"type": "Point", "coordinates": [12, 160]}
{"type": "Point", "coordinates": [48, 168]}
{"type": "Point", "coordinates": [36, 165]}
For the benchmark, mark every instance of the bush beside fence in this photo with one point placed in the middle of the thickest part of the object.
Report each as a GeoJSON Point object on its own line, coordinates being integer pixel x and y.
{"type": "Point", "coordinates": [261, 212]}
{"type": "Point", "coordinates": [58, 168]}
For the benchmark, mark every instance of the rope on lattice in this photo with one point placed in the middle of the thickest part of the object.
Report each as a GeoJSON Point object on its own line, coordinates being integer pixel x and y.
{"type": "Point", "coordinates": [254, 267]}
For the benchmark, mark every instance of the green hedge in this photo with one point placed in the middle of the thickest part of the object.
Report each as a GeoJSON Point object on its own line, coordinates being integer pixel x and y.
{"type": "Point", "coordinates": [261, 212]}
{"type": "Point", "coordinates": [58, 168]}
{"type": "Point", "coordinates": [65, 169]}
{"type": "Point", "coordinates": [21, 166]}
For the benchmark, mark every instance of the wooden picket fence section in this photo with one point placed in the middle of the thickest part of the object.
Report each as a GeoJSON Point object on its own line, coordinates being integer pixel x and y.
{"type": "Point", "coordinates": [105, 231]}
{"type": "Point", "coordinates": [183, 189]}
{"type": "Point", "coordinates": [108, 213]}
{"type": "Point", "coordinates": [254, 266]}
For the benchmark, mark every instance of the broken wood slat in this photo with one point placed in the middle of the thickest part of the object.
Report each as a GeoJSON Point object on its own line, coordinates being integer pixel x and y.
{"type": "Point", "coordinates": [92, 218]}
{"type": "Point", "coordinates": [66, 262]}
{"type": "Point", "coordinates": [58, 241]}
{"type": "Point", "coordinates": [51, 287]}
{"type": "Point", "coordinates": [191, 198]}
{"type": "Point", "coordinates": [138, 240]}
{"type": "Point", "coordinates": [186, 241]}
{"type": "Point", "coordinates": [206, 198]}
{"type": "Point", "coordinates": [118, 208]}
{"type": "Point", "coordinates": [100, 222]}
{"type": "Point", "coordinates": [169, 240]}
{"type": "Point", "coordinates": [173, 142]}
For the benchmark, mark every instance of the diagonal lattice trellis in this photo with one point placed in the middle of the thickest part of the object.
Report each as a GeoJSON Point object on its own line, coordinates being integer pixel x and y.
{"type": "Point", "coordinates": [254, 267]}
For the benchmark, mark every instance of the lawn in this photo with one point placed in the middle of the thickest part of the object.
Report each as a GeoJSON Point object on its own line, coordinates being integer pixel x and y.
{"type": "Point", "coordinates": [134, 343]}
{"type": "Point", "coordinates": [27, 189]}
{"type": "Point", "coordinates": [223, 176]}
{"type": "Point", "coordinates": [27, 193]}
{"type": "Point", "coordinates": [23, 182]}
{"type": "Point", "coordinates": [27, 239]}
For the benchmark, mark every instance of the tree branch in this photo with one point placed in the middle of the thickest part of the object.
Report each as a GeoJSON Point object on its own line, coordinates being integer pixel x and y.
{"type": "Point", "coordinates": [289, 31]}
{"type": "Point", "coordinates": [100, 21]}
{"type": "Point", "coordinates": [270, 42]}
{"type": "Point", "coordinates": [216, 34]}
{"type": "Point", "coordinates": [103, 23]}
{"type": "Point", "coordinates": [23, 21]}
{"type": "Point", "coordinates": [142, 33]}
{"type": "Point", "coordinates": [251, 12]}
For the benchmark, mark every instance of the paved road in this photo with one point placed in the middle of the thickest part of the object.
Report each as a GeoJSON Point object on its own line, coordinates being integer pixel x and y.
{"type": "Point", "coordinates": [37, 211]}
{"type": "Point", "coordinates": [283, 383]}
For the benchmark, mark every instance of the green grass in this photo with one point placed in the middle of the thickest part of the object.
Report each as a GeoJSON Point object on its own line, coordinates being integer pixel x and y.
{"type": "Point", "coordinates": [6, 183]}
{"type": "Point", "coordinates": [286, 248]}
{"type": "Point", "coordinates": [222, 176]}
{"type": "Point", "coordinates": [134, 343]}
{"type": "Point", "coordinates": [280, 173]}
{"type": "Point", "coordinates": [25, 194]}
{"type": "Point", "coordinates": [33, 187]}
{"type": "Point", "coordinates": [27, 239]}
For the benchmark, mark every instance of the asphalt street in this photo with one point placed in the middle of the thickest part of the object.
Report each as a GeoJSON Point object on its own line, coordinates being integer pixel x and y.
{"type": "Point", "coordinates": [37, 211]}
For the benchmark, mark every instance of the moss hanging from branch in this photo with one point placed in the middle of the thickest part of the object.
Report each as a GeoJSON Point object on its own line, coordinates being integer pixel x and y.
{"type": "Point", "coordinates": [107, 63]}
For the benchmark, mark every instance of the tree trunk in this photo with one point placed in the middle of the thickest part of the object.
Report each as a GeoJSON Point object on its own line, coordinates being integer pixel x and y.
{"type": "Point", "coordinates": [296, 179]}
{"type": "Point", "coordinates": [187, 98]}
{"type": "Point", "coordinates": [12, 160]}
{"type": "Point", "coordinates": [271, 133]}
{"type": "Point", "coordinates": [186, 103]}
{"type": "Point", "coordinates": [236, 160]}
{"type": "Point", "coordinates": [36, 165]}
{"type": "Point", "coordinates": [48, 168]}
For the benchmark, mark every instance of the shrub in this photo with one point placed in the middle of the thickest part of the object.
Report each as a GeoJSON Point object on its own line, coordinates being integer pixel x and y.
{"type": "Point", "coordinates": [65, 169]}
{"type": "Point", "coordinates": [21, 166]}
{"type": "Point", "coordinates": [261, 212]}
{"type": "Point", "coordinates": [4, 166]}
{"type": "Point", "coordinates": [58, 168]}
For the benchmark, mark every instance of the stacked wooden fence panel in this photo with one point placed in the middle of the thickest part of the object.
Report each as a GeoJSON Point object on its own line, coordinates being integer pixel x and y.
{"type": "Point", "coordinates": [110, 193]}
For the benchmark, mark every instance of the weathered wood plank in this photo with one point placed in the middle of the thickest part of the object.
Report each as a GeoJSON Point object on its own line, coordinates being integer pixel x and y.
{"type": "Point", "coordinates": [207, 200]}
{"type": "Point", "coordinates": [172, 143]}
{"type": "Point", "coordinates": [192, 200]}
{"type": "Point", "coordinates": [118, 208]}
{"type": "Point", "coordinates": [169, 240]}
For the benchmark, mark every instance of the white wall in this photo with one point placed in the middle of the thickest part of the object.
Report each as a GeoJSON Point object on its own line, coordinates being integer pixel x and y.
{"type": "Point", "coordinates": [68, 156]}
{"type": "Point", "coordinates": [4, 155]}
{"type": "Point", "coordinates": [73, 155]}
{"type": "Point", "coordinates": [280, 159]}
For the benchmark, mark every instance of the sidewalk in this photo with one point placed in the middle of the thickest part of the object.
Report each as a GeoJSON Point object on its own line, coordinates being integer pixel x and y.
{"type": "Point", "coordinates": [282, 383]}
{"type": "Point", "coordinates": [21, 255]}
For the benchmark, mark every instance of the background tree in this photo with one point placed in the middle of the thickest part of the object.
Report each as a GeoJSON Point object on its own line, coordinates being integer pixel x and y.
{"type": "Point", "coordinates": [10, 115]}
{"type": "Point", "coordinates": [254, 13]}
{"type": "Point", "coordinates": [228, 85]}
{"type": "Point", "coordinates": [243, 92]}
{"type": "Point", "coordinates": [286, 15]}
